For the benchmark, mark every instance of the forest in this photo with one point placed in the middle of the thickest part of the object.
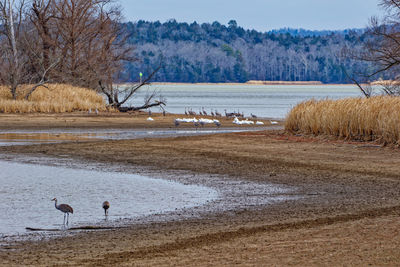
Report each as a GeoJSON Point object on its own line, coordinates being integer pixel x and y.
{"type": "Point", "coordinates": [213, 52]}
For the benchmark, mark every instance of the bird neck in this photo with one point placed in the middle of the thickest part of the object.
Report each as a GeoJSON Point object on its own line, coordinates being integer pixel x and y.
{"type": "Point", "coordinates": [55, 203]}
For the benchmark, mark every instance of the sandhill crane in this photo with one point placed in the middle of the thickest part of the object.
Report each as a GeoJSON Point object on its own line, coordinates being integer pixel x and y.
{"type": "Point", "coordinates": [212, 113]}
{"type": "Point", "coordinates": [196, 124]}
{"type": "Point", "coordinates": [202, 123]}
{"type": "Point", "coordinates": [217, 123]}
{"type": "Point", "coordinates": [217, 113]}
{"type": "Point", "coordinates": [96, 111]}
{"type": "Point", "coordinates": [90, 111]}
{"type": "Point", "coordinates": [253, 116]}
{"type": "Point", "coordinates": [67, 209]}
{"type": "Point", "coordinates": [163, 113]}
{"type": "Point", "coordinates": [230, 114]}
{"type": "Point", "coordinates": [149, 112]}
{"type": "Point", "coordinates": [106, 206]}
{"type": "Point", "coordinates": [176, 122]}
{"type": "Point", "coordinates": [191, 112]}
{"type": "Point", "coordinates": [204, 112]}
{"type": "Point", "coordinates": [186, 112]}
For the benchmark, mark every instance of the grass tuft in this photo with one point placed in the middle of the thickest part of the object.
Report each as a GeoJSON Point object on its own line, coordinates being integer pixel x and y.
{"type": "Point", "coordinates": [367, 119]}
{"type": "Point", "coordinates": [57, 98]}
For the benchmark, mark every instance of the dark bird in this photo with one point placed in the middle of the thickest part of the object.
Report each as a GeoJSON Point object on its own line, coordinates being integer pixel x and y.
{"type": "Point", "coordinates": [176, 122]}
{"type": "Point", "coordinates": [106, 206]}
{"type": "Point", "coordinates": [253, 116]}
{"type": "Point", "coordinates": [67, 209]}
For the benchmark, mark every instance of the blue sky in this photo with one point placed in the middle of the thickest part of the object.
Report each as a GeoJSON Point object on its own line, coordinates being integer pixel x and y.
{"type": "Point", "coordinates": [261, 15]}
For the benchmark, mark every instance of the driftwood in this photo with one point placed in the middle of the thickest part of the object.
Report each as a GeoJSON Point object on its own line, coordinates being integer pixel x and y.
{"type": "Point", "coordinates": [127, 109]}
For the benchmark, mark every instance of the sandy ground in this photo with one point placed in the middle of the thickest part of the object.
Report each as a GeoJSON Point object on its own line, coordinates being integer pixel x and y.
{"type": "Point", "coordinates": [348, 212]}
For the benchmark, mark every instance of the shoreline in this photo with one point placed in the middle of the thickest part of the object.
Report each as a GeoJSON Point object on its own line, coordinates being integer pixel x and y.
{"type": "Point", "coordinates": [351, 192]}
{"type": "Point", "coordinates": [256, 83]}
{"type": "Point", "coordinates": [227, 198]}
{"type": "Point", "coordinates": [105, 120]}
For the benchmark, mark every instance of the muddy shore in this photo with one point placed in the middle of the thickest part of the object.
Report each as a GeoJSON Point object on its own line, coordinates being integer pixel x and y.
{"type": "Point", "coordinates": [347, 213]}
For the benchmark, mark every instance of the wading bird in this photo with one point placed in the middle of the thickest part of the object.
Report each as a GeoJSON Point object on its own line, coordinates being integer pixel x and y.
{"type": "Point", "coordinates": [106, 206]}
{"type": "Point", "coordinates": [176, 122]}
{"type": "Point", "coordinates": [67, 209]}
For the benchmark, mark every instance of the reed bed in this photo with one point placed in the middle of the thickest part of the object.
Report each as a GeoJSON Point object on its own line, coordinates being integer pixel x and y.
{"type": "Point", "coordinates": [367, 119]}
{"type": "Point", "coordinates": [57, 98]}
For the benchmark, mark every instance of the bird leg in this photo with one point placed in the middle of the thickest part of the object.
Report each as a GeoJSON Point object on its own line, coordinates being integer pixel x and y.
{"type": "Point", "coordinates": [64, 219]}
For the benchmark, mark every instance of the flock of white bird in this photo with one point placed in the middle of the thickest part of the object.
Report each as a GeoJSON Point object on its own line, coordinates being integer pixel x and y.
{"type": "Point", "coordinates": [203, 121]}
{"type": "Point", "coordinates": [197, 122]}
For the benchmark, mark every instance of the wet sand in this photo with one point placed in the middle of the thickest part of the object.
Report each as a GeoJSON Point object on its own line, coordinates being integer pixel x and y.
{"type": "Point", "coordinates": [348, 212]}
{"type": "Point", "coordinates": [105, 120]}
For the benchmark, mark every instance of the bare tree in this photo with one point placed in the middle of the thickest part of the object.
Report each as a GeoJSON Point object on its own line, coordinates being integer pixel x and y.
{"type": "Point", "coordinates": [87, 37]}
{"type": "Point", "coordinates": [11, 72]}
{"type": "Point", "coordinates": [382, 48]}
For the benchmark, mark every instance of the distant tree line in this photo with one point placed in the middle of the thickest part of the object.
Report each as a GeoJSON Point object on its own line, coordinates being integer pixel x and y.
{"type": "Point", "coordinates": [213, 52]}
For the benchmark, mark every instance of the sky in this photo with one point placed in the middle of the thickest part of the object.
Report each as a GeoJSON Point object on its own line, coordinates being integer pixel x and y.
{"type": "Point", "coordinates": [262, 15]}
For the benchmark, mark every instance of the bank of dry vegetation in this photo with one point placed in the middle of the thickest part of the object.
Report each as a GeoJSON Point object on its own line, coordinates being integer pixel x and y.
{"type": "Point", "coordinates": [55, 98]}
{"type": "Point", "coordinates": [366, 119]}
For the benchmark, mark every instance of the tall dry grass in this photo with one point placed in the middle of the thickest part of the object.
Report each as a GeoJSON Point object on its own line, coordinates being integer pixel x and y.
{"type": "Point", "coordinates": [368, 119]}
{"type": "Point", "coordinates": [56, 98]}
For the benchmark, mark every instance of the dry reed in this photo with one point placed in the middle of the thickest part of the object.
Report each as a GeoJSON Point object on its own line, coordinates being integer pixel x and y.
{"type": "Point", "coordinates": [367, 119]}
{"type": "Point", "coordinates": [56, 98]}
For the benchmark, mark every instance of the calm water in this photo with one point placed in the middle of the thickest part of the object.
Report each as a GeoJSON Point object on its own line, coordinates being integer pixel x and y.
{"type": "Point", "coordinates": [27, 189]}
{"type": "Point", "coordinates": [270, 101]}
{"type": "Point", "coordinates": [26, 137]}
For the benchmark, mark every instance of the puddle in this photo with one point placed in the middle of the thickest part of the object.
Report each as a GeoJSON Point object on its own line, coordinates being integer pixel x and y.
{"type": "Point", "coordinates": [27, 189]}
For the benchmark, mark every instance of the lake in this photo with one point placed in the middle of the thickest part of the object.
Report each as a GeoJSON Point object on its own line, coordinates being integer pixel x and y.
{"type": "Point", "coordinates": [267, 101]}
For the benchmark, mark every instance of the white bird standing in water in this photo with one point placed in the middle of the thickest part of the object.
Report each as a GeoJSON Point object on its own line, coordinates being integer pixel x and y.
{"type": "Point", "coordinates": [106, 206]}
{"type": "Point", "coordinates": [65, 208]}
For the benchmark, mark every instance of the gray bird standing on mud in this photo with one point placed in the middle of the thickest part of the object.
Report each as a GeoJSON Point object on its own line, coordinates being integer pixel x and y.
{"type": "Point", "coordinates": [106, 206]}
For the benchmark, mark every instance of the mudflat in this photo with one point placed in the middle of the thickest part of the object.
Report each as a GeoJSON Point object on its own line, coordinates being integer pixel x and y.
{"type": "Point", "coordinates": [104, 120]}
{"type": "Point", "coordinates": [345, 208]}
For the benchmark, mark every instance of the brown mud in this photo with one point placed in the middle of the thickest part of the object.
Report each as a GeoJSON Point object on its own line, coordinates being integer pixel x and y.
{"type": "Point", "coordinates": [348, 212]}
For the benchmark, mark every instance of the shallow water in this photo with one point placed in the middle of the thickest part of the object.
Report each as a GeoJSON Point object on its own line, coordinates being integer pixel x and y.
{"type": "Point", "coordinates": [269, 101]}
{"type": "Point", "coordinates": [27, 189]}
{"type": "Point", "coordinates": [25, 137]}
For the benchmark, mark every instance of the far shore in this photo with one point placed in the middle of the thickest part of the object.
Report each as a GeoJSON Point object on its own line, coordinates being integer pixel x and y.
{"type": "Point", "coordinates": [248, 83]}
{"type": "Point", "coordinates": [258, 83]}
